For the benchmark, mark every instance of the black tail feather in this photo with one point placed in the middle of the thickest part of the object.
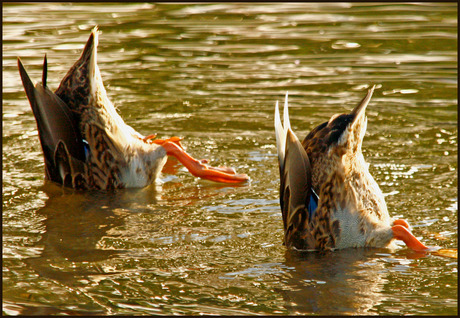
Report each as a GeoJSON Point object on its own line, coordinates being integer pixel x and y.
{"type": "Point", "coordinates": [45, 71]}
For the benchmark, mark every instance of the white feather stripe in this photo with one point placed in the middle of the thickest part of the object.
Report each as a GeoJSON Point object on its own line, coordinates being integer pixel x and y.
{"type": "Point", "coordinates": [287, 123]}
{"type": "Point", "coordinates": [280, 135]}
{"type": "Point", "coordinates": [281, 132]}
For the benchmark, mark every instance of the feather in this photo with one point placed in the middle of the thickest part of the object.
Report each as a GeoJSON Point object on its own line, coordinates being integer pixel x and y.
{"type": "Point", "coordinates": [55, 122]}
{"type": "Point", "coordinates": [350, 210]}
{"type": "Point", "coordinates": [280, 137]}
{"type": "Point", "coordinates": [359, 110]}
{"type": "Point", "coordinates": [287, 123]}
{"type": "Point", "coordinates": [298, 172]}
{"type": "Point", "coordinates": [297, 199]}
{"type": "Point", "coordinates": [86, 143]}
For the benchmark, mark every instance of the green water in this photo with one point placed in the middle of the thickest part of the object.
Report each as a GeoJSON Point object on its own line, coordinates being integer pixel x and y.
{"type": "Point", "coordinates": [211, 73]}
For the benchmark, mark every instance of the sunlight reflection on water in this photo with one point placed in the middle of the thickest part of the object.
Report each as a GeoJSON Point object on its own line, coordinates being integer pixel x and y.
{"type": "Point", "coordinates": [211, 73]}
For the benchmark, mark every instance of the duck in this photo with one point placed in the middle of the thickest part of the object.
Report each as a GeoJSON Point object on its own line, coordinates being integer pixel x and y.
{"type": "Point", "coordinates": [328, 198]}
{"type": "Point", "coordinates": [88, 146]}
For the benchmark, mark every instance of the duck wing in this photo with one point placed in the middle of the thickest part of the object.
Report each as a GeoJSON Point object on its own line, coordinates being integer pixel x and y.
{"type": "Point", "coordinates": [58, 129]}
{"type": "Point", "coordinates": [298, 201]}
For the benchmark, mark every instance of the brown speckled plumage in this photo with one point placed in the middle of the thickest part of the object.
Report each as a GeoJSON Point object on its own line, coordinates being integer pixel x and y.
{"type": "Point", "coordinates": [328, 166]}
{"type": "Point", "coordinates": [87, 145]}
{"type": "Point", "coordinates": [101, 149]}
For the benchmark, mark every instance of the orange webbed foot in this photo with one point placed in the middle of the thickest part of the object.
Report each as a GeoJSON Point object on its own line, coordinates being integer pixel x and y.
{"type": "Point", "coordinates": [199, 168]}
{"type": "Point", "coordinates": [401, 232]}
{"type": "Point", "coordinates": [402, 222]}
{"type": "Point", "coordinates": [160, 142]}
{"type": "Point", "coordinates": [149, 137]}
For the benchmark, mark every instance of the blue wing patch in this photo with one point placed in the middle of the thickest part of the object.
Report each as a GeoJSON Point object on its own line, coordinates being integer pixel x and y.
{"type": "Point", "coordinates": [86, 146]}
{"type": "Point", "coordinates": [313, 204]}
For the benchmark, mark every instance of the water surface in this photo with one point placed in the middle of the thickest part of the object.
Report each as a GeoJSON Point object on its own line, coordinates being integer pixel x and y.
{"type": "Point", "coordinates": [211, 73]}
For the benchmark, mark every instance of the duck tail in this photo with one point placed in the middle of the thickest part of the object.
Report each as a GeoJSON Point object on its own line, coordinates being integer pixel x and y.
{"type": "Point", "coordinates": [353, 133]}
{"type": "Point", "coordinates": [79, 83]}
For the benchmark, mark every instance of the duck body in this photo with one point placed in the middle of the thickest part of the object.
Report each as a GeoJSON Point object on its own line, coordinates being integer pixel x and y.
{"type": "Point", "coordinates": [85, 142]}
{"type": "Point", "coordinates": [328, 198]}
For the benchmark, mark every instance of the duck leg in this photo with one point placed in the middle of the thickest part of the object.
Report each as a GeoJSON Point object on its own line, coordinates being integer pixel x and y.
{"type": "Point", "coordinates": [402, 222]}
{"type": "Point", "coordinates": [148, 138]}
{"type": "Point", "coordinates": [199, 168]}
{"type": "Point", "coordinates": [400, 232]}
{"type": "Point", "coordinates": [173, 139]}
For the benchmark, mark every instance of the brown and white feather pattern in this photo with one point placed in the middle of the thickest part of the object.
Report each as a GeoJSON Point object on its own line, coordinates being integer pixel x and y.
{"type": "Point", "coordinates": [116, 157]}
{"type": "Point", "coordinates": [351, 209]}
{"type": "Point", "coordinates": [119, 158]}
{"type": "Point", "coordinates": [85, 142]}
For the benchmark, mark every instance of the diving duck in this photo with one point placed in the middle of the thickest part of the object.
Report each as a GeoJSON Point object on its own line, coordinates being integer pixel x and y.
{"type": "Point", "coordinates": [328, 198]}
{"type": "Point", "coordinates": [85, 142]}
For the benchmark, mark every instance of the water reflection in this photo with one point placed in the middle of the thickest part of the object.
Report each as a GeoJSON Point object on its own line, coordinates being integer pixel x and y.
{"type": "Point", "coordinates": [211, 73]}
{"type": "Point", "coordinates": [84, 229]}
{"type": "Point", "coordinates": [349, 281]}
{"type": "Point", "coordinates": [74, 224]}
